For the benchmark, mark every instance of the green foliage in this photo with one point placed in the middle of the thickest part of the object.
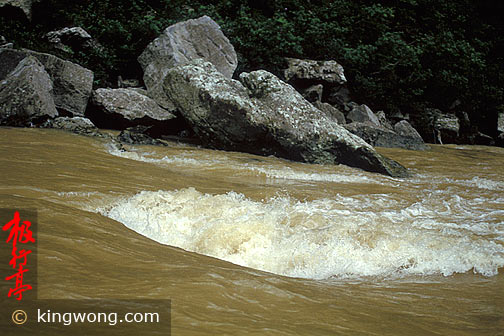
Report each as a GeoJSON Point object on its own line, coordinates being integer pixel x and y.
{"type": "Point", "coordinates": [397, 54]}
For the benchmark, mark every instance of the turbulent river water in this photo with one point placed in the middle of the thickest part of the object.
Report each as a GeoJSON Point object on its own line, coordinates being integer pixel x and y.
{"type": "Point", "coordinates": [253, 245]}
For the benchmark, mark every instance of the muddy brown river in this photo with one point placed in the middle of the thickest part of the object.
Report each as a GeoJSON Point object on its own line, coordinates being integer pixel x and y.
{"type": "Point", "coordinates": [249, 245]}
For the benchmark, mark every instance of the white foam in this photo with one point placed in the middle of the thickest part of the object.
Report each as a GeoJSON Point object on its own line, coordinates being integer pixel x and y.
{"type": "Point", "coordinates": [186, 158]}
{"type": "Point", "coordinates": [484, 183]}
{"type": "Point", "coordinates": [342, 237]}
{"type": "Point", "coordinates": [287, 173]}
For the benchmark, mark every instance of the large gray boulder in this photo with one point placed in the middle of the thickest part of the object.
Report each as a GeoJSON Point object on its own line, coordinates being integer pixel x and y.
{"type": "Point", "coordinates": [404, 128]}
{"type": "Point", "coordinates": [379, 136]}
{"type": "Point", "coordinates": [26, 95]}
{"type": "Point", "coordinates": [323, 72]}
{"type": "Point", "coordinates": [435, 126]}
{"type": "Point", "coordinates": [24, 5]}
{"type": "Point", "coordinates": [72, 83]}
{"type": "Point", "coordinates": [263, 115]}
{"type": "Point", "coordinates": [121, 108]}
{"type": "Point", "coordinates": [182, 43]}
{"type": "Point", "coordinates": [363, 114]}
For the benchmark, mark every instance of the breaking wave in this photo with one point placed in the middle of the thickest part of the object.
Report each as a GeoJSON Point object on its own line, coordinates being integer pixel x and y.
{"type": "Point", "coordinates": [339, 237]}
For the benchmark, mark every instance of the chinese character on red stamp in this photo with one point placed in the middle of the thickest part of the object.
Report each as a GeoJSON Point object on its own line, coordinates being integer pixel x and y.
{"type": "Point", "coordinates": [19, 233]}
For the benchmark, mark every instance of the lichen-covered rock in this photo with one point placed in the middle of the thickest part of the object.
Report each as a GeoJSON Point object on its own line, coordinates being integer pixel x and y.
{"type": "Point", "coordinates": [182, 43]}
{"type": "Point", "coordinates": [447, 122]}
{"type": "Point", "coordinates": [329, 72]}
{"type": "Point", "coordinates": [24, 5]}
{"type": "Point", "coordinates": [264, 115]}
{"type": "Point", "coordinates": [120, 108]}
{"type": "Point", "coordinates": [72, 84]}
{"type": "Point", "coordinates": [447, 128]}
{"type": "Point", "coordinates": [130, 83]}
{"type": "Point", "coordinates": [71, 39]}
{"type": "Point", "coordinates": [68, 33]}
{"type": "Point", "coordinates": [384, 122]}
{"type": "Point", "coordinates": [26, 95]}
{"type": "Point", "coordinates": [500, 123]}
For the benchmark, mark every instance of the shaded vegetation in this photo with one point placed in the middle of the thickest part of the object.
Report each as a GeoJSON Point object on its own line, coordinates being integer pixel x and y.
{"type": "Point", "coordinates": [398, 55]}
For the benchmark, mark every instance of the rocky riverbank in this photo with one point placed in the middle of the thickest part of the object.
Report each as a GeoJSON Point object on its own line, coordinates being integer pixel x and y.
{"type": "Point", "coordinates": [190, 94]}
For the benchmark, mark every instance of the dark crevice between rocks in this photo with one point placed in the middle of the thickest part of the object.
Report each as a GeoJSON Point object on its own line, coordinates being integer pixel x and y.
{"type": "Point", "coordinates": [64, 113]}
{"type": "Point", "coordinates": [304, 83]}
{"type": "Point", "coordinates": [14, 14]}
{"type": "Point", "coordinates": [175, 129]}
{"type": "Point", "coordinates": [21, 121]}
{"type": "Point", "coordinates": [10, 62]}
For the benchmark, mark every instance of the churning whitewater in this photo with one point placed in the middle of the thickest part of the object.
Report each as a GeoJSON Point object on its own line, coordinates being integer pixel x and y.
{"type": "Point", "coordinates": [437, 230]}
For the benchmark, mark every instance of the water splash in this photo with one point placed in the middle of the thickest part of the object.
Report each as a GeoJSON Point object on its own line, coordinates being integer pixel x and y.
{"type": "Point", "coordinates": [338, 237]}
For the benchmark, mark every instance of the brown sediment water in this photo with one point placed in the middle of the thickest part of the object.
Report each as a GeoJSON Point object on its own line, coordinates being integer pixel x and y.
{"type": "Point", "coordinates": [253, 245]}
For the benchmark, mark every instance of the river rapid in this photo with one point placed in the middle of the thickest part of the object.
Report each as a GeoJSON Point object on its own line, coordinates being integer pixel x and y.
{"type": "Point", "coordinates": [250, 245]}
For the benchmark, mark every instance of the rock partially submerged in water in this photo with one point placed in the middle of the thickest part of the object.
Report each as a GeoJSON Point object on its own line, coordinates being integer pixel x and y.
{"type": "Point", "coordinates": [264, 115]}
{"type": "Point", "coordinates": [77, 125]}
{"type": "Point", "coordinates": [26, 95]}
{"type": "Point", "coordinates": [137, 135]}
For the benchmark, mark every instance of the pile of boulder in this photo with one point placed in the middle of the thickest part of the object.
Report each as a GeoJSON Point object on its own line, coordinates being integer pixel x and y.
{"type": "Point", "coordinates": [323, 83]}
{"type": "Point", "coordinates": [37, 86]}
{"type": "Point", "coordinates": [190, 90]}
{"type": "Point", "coordinates": [452, 127]}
